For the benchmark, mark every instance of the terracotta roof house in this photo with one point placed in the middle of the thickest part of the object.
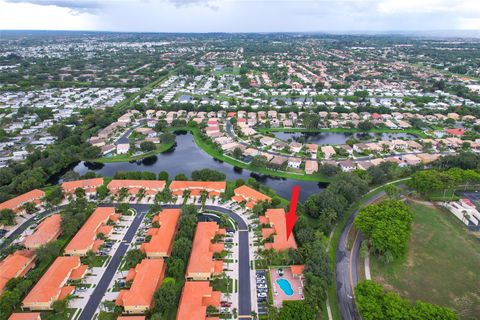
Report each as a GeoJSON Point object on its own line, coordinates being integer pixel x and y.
{"type": "Point", "coordinates": [86, 238]}
{"type": "Point", "coordinates": [456, 132]}
{"type": "Point", "coordinates": [311, 166]}
{"type": "Point", "coordinates": [25, 316]}
{"type": "Point", "coordinates": [89, 185]}
{"type": "Point", "coordinates": [51, 287]}
{"type": "Point", "coordinates": [275, 218]}
{"type": "Point", "coordinates": [47, 231]}
{"type": "Point", "coordinates": [15, 204]}
{"type": "Point", "coordinates": [201, 265]}
{"type": "Point", "coordinates": [249, 195]}
{"type": "Point", "coordinates": [196, 297]}
{"type": "Point", "coordinates": [427, 158]}
{"type": "Point", "coordinates": [15, 265]}
{"type": "Point", "coordinates": [151, 187]}
{"type": "Point", "coordinates": [214, 188]}
{"type": "Point", "coordinates": [147, 277]}
{"type": "Point", "coordinates": [328, 151]}
{"type": "Point", "coordinates": [278, 160]}
{"type": "Point", "coordinates": [297, 270]}
{"type": "Point", "coordinates": [160, 244]}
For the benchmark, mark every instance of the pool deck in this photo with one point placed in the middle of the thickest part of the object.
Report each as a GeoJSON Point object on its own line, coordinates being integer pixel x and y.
{"type": "Point", "coordinates": [278, 295]}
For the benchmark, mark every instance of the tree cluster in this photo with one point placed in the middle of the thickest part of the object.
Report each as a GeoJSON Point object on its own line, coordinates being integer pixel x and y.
{"type": "Point", "coordinates": [387, 225]}
{"type": "Point", "coordinates": [374, 303]}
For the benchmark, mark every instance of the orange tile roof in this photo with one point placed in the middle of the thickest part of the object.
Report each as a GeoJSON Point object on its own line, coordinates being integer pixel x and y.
{"type": "Point", "coordinates": [201, 258]}
{"type": "Point", "coordinates": [250, 195]}
{"type": "Point", "coordinates": [297, 269]}
{"type": "Point", "coordinates": [15, 265]}
{"type": "Point", "coordinates": [147, 279]}
{"type": "Point", "coordinates": [218, 186]}
{"type": "Point", "coordinates": [276, 219]}
{"type": "Point", "coordinates": [162, 238]}
{"type": "Point", "coordinates": [149, 185]}
{"type": "Point", "coordinates": [196, 297]}
{"type": "Point", "coordinates": [91, 184]}
{"type": "Point", "coordinates": [49, 288]}
{"type": "Point", "coordinates": [86, 236]}
{"type": "Point", "coordinates": [25, 316]}
{"type": "Point", "coordinates": [15, 203]}
{"type": "Point", "coordinates": [48, 230]}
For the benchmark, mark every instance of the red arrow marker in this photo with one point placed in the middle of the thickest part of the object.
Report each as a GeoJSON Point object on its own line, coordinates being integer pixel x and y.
{"type": "Point", "coordinates": [291, 216]}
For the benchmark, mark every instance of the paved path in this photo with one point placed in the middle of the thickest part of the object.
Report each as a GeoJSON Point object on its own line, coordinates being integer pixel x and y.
{"type": "Point", "coordinates": [346, 267]}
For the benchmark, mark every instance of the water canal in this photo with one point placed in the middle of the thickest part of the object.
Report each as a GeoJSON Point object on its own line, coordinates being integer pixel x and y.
{"type": "Point", "coordinates": [186, 157]}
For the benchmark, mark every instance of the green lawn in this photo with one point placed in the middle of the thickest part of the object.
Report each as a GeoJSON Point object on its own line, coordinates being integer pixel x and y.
{"type": "Point", "coordinates": [126, 157]}
{"type": "Point", "coordinates": [441, 266]}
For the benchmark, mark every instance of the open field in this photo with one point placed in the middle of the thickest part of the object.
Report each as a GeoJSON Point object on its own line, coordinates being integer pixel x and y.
{"type": "Point", "coordinates": [441, 266]}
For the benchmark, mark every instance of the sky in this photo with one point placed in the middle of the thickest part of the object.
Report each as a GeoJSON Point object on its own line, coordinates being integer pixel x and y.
{"type": "Point", "coordinates": [241, 15]}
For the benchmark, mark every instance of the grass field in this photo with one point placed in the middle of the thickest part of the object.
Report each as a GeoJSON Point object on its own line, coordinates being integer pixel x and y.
{"type": "Point", "coordinates": [441, 266]}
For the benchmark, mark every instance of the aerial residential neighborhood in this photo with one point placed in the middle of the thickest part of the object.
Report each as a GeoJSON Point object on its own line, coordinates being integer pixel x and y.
{"type": "Point", "coordinates": [263, 160]}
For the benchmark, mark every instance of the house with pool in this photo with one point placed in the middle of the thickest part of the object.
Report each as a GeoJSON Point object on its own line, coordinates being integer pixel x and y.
{"type": "Point", "coordinates": [286, 283]}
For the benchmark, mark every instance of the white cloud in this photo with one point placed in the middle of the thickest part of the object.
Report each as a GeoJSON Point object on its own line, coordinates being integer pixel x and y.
{"type": "Point", "coordinates": [240, 15]}
{"type": "Point", "coordinates": [29, 16]}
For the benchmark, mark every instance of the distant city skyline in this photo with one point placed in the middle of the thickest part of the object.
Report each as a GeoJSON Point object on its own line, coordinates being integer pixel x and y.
{"type": "Point", "coordinates": [240, 15]}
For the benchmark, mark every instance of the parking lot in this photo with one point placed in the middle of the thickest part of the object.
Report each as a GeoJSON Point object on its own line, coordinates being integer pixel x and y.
{"type": "Point", "coordinates": [262, 291]}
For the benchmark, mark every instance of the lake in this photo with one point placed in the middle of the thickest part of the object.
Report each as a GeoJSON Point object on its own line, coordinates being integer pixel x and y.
{"type": "Point", "coordinates": [334, 138]}
{"type": "Point", "coordinates": [186, 157]}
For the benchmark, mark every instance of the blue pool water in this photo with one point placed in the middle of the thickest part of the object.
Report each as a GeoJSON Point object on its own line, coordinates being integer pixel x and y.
{"type": "Point", "coordinates": [285, 285]}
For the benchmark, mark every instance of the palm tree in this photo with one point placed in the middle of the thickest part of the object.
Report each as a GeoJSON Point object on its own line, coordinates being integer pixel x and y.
{"type": "Point", "coordinates": [122, 193]}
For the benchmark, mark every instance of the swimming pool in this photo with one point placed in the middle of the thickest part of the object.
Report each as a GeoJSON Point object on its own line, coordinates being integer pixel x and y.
{"type": "Point", "coordinates": [285, 285]}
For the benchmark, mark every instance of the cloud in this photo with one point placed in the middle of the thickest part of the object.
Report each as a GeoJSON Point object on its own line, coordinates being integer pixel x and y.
{"type": "Point", "coordinates": [76, 6]}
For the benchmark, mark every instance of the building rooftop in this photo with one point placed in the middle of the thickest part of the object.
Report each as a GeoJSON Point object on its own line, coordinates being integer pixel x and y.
{"type": "Point", "coordinates": [147, 277]}
{"type": "Point", "coordinates": [89, 185]}
{"type": "Point", "coordinates": [25, 316]}
{"type": "Point", "coordinates": [15, 203]}
{"type": "Point", "coordinates": [86, 236]}
{"type": "Point", "coordinates": [151, 186]}
{"type": "Point", "coordinates": [201, 258]}
{"type": "Point", "coordinates": [196, 297]}
{"type": "Point", "coordinates": [276, 219]}
{"type": "Point", "coordinates": [214, 188]}
{"type": "Point", "coordinates": [48, 230]}
{"type": "Point", "coordinates": [15, 265]}
{"type": "Point", "coordinates": [252, 196]}
{"type": "Point", "coordinates": [52, 284]}
{"type": "Point", "coordinates": [161, 242]}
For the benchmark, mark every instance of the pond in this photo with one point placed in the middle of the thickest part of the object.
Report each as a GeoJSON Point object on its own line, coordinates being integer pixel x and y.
{"type": "Point", "coordinates": [334, 138]}
{"type": "Point", "coordinates": [186, 157]}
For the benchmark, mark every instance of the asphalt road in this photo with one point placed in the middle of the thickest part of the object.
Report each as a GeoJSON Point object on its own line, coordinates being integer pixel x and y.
{"type": "Point", "coordinates": [27, 224]}
{"type": "Point", "coordinates": [346, 268]}
{"type": "Point", "coordinates": [90, 308]}
{"type": "Point", "coordinates": [245, 304]}
{"type": "Point", "coordinates": [244, 296]}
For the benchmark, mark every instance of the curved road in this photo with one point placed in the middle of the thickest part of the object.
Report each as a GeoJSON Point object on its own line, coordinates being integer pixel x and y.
{"type": "Point", "coordinates": [346, 267]}
{"type": "Point", "coordinates": [244, 303]}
